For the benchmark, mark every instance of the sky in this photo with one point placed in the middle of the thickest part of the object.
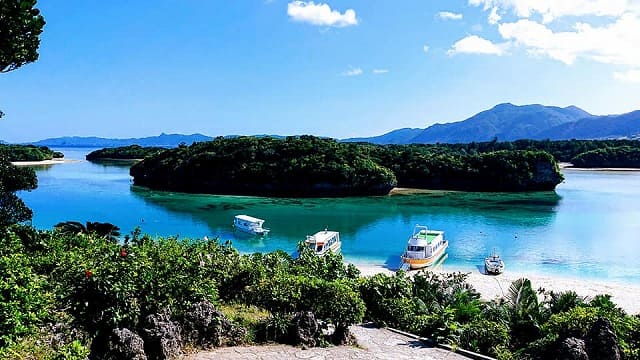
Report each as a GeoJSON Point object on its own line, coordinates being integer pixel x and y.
{"type": "Point", "coordinates": [337, 68]}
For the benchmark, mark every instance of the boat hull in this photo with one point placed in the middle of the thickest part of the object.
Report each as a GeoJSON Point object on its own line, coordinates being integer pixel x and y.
{"type": "Point", "coordinates": [493, 270]}
{"type": "Point", "coordinates": [421, 263]}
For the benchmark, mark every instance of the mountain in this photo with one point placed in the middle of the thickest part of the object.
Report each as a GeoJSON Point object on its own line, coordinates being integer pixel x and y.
{"type": "Point", "coordinates": [400, 136]}
{"type": "Point", "coordinates": [508, 122]}
{"type": "Point", "coordinates": [505, 121]}
{"type": "Point", "coordinates": [164, 140]}
{"type": "Point", "coordinates": [598, 127]}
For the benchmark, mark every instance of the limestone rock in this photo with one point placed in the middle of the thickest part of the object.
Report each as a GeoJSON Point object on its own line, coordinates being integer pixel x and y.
{"type": "Point", "coordinates": [162, 337]}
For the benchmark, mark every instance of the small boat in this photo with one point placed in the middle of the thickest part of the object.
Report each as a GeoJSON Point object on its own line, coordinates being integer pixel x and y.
{"type": "Point", "coordinates": [323, 242]}
{"type": "Point", "coordinates": [424, 248]}
{"type": "Point", "coordinates": [250, 225]}
{"type": "Point", "coordinates": [493, 264]}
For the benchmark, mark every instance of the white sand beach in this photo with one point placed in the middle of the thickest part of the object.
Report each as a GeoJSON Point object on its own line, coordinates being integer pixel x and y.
{"type": "Point", "coordinates": [44, 162]}
{"type": "Point", "coordinates": [490, 287]}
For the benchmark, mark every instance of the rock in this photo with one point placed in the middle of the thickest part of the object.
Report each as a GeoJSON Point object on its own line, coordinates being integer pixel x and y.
{"type": "Point", "coordinates": [572, 349]}
{"type": "Point", "coordinates": [124, 344]}
{"type": "Point", "coordinates": [602, 342]}
{"type": "Point", "coordinates": [162, 337]}
{"type": "Point", "coordinates": [206, 326]}
{"type": "Point", "coordinates": [305, 329]}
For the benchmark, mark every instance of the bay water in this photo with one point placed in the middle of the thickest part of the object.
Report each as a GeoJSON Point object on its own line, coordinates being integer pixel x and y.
{"type": "Point", "coordinates": [588, 228]}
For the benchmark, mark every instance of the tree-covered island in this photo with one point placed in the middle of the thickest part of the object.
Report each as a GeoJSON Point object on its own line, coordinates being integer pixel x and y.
{"type": "Point", "coordinates": [312, 166]}
{"type": "Point", "coordinates": [132, 152]}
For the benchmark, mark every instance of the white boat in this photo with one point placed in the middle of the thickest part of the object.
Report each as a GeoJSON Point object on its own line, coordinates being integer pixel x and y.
{"type": "Point", "coordinates": [250, 225]}
{"type": "Point", "coordinates": [493, 264]}
{"type": "Point", "coordinates": [323, 242]}
{"type": "Point", "coordinates": [424, 248]}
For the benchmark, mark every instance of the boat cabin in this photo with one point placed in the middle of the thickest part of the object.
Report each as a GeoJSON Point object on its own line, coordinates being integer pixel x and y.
{"type": "Point", "coordinates": [249, 224]}
{"type": "Point", "coordinates": [323, 242]}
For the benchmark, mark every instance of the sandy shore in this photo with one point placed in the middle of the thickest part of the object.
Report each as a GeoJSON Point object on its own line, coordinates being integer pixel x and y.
{"type": "Point", "coordinates": [569, 166]}
{"type": "Point", "coordinates": [491, 287]}
{"type": "Point", "coordinates": [44, 162]}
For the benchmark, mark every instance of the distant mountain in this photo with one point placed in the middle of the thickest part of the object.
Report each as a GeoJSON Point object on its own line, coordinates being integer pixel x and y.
{"type": "Point", "coordinates": [400, 136]}
{"type": "Point", "coordinates": [508, 122]}
{"type": "Point", "coordinates": [164, 140]}
{"type": "Point", "coordinates": [598, 127]}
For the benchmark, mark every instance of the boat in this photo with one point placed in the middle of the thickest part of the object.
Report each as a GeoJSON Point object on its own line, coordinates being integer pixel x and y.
{"type": "Point", "coordinates": [250, 224]}
{"type": "Point", "coordinates": [424, 248]}
{"type": "Point", "coordinates": [493, 264]}
{"type": "Point", "coordinates": [324, 242]}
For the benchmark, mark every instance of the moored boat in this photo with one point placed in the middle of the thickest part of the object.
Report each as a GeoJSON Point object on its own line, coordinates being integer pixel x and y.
{"type": "Point", "coordinates": [424, 248]}
{"type": "Point", "coordinates": [323, 242]}
{"type": "Point", "coordinates": [249, 224]}
{"type": "Point", "coordinates": [493, 264]}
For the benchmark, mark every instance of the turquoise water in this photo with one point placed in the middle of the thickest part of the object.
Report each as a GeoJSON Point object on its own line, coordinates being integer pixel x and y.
{"type": "Point", "coordinates": [588, 228]}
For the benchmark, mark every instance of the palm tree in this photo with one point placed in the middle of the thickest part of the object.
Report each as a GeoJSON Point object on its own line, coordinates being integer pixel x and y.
{"type": "Point", "coordinates": [525, 312]}
{"type": "Point", "coordinates": [107, 231]}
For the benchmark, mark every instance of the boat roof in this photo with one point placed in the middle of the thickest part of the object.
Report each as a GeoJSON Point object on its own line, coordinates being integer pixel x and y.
{"type": "Point", "coordinates": [322, 236]}
{"type": "Point", "coordinates": [423, 236]}
{"type": "Point", "coordinates": [249, 218]}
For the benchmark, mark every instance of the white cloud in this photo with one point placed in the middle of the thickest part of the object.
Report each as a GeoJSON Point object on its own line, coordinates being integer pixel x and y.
{"type": "Point", "coordinates": [617, 43]}
{"type": "Point", "coordinates": [380, 71]}
{"type": "Point", "coordinates": [447, 15]}
{"type": "Point", "coordinates": [425, 48]}
{"type": "Point", "coordinates": [474, 44]}
{"type": "Point", "coordinates": [631, 76]}
{"type": "Point", "coordinates": [552, 9]}
{"type": "Point", "coordinates": [352, 72]}
{"type": "Point", "coordinates": [494, 17]}
{"type": "Point", "coordinates": [320, 14]}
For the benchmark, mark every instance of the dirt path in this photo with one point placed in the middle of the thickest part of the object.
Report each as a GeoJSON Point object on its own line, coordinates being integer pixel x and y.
{"type": "Point", "coordinates": [373, 343]}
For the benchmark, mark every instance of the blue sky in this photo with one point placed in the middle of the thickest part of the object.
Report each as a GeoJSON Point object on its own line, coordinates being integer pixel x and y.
{"type": "Point", "coordinates": [338, 68]}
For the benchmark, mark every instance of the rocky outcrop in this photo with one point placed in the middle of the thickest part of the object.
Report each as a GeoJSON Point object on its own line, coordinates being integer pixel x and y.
{"type": "Point", "coordinates": [124, 344]}
{"type": "Point", "coordinates": [305, 329]}
{"type": "Point", "coordinates": [162, 339]}
{"type": "Point", "coordinates": [602, 342]}
{"type": "Point", "coordinates": [205, 326]}
{"type": "Point", "coordinates": [572, 349]}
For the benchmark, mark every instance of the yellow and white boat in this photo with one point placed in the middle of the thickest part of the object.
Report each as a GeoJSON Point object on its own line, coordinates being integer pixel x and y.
{"type": "Point", "coordinates": [424, 248]}
{"type": "Point", "coordinates": [323, 242]}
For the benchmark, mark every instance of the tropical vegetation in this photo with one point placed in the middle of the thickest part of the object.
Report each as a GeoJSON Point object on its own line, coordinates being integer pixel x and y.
{"type": "Point", "coordinates": [312, 166]}
{"type": "Point", "coordinates": [132, 152]}
{"type": "Point", "coordinates": [28, 152]}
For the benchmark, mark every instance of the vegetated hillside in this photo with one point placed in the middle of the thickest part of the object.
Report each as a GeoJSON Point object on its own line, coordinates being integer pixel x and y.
{"type": "Point", "coordinates": [599, 127]}
{"type": "Point", "coordinates": [123, 153]}
{"type": "Point", "coordinates": [614, 157]}
{"type": "Point", "coordinates": [29, 152]}
{"type": "Point", "coordinates": [310, 166]}
{"type": "Point", "coordinates": [163, 140]}
{"type": "Point", "coordinates": [505, 122]}
{"type": "Point", "coordinates": [296, 166]}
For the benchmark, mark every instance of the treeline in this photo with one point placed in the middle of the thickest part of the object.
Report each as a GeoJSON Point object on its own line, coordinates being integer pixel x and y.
{"type": "Point", "coordinates": [613, 157]}
{"type": "Point", "coordinates": [72, 295]}
{"type": "Point", "coordinates": [295, 166]}
{"type": "Point", "coordinates": [311, 166]}
{"type": "Point", "coordinates": [132, 152]}
{"type": "Point", "coordinates": [28, 152]}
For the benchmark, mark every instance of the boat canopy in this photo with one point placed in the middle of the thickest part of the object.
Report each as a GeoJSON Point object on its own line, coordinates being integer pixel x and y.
{"type": "Point", "coordinates": [414, 241]}
{"type": "Point", "coordinates": [250, 219]}
{"type": "Point", "coordinates": [321, 237]}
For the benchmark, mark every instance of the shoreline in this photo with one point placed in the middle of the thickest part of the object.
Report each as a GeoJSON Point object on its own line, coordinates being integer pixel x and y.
{"type": "Point", "coordinates": [569, 166]}
{"type": "Point", "coordinates": [44, 162]}
{"type": "Point", "coordinates": [492, 287]}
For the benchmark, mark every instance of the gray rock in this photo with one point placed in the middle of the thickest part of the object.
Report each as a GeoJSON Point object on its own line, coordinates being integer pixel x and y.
{"type": "Point", "coordinates": [162, 337]}
{"type": "Point", "coordinates": [602, 342]}
{"type": "Point", "coordinates": [305, 329]}
{"type": "Point", "coordinates": [206, 326]}
{"type": "Point", "coordinates": [125, 344]}
{"type": "Point", "coordinates": [572, 349]}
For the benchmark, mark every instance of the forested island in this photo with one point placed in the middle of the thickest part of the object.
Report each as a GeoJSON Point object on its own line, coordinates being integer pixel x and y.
{"type": "Point", "coordinates": [132, 152]}
{"type": "Point", "coordinates": [312, 166]}
{"type": "Point", "coordinates": [29, 153]}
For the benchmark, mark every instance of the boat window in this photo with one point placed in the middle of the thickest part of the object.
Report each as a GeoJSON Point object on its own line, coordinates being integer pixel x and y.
{"type": "Point", "coordinates": [416, 248]}
{"type": "Point", "coordinates": [319, 248]}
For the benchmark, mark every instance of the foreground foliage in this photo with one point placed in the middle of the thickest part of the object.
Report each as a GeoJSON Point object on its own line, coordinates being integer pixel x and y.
{"type": "Point", "coordinates": [64, 292]}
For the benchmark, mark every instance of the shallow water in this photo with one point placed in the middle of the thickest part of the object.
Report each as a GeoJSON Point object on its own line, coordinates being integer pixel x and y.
{"type": "Point", "coordinates": [588, 228]}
